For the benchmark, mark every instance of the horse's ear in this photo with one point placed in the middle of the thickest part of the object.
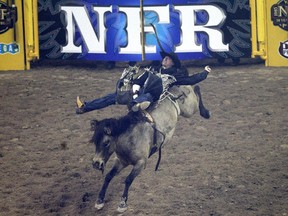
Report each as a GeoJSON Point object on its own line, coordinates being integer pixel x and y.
{"type": "Point", "coordinates": [93, 124]}
{"type": "Point", "coordinates": [107, 130]}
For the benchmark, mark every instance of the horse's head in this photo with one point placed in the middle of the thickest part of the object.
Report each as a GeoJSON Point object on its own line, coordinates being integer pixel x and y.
{"type": "Point", "coordinates": [104, 141]}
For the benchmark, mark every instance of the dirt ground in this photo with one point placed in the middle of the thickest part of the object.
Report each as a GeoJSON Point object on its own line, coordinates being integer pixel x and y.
{"type": "Point", "coordinates": [232, 164]}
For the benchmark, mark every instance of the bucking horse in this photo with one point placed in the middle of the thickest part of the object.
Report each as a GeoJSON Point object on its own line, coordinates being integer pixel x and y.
{"type": "Point", "coordinates": [136, 136]}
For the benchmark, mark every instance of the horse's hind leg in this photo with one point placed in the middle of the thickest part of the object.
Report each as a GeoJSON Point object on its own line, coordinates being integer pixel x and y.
{"type": "Point", "coordinates": [203, 111]}
{"type": "Point", "coordinates": [128, 181]}
{"type": "Point", "coordinates": [110, 175]}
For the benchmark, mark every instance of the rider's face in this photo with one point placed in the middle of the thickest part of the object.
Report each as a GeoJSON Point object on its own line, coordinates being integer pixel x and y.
{"type": "Point", "coordinates": [167, 62]}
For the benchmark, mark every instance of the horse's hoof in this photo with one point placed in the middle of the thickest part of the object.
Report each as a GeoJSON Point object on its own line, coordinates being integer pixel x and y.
{"type": "Point", "coordinates": [121, 210]}
{"type": "Point", "coordinates": [122, 207]}
{"type": "Point", "coordinates": [99, 205]}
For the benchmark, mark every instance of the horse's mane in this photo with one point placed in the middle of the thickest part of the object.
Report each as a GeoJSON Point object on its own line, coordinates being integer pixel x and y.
{"type": "Point", "coordinates": [116, 126]}
{"type": "Point", "coordinates": [123, 123]}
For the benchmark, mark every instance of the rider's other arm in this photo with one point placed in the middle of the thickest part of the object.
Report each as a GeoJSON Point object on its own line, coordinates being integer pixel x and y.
{"type": "Point", "coordinates": [193, 79]}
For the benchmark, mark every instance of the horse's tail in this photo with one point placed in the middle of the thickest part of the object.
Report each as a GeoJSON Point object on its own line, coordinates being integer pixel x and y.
{"type": "Point", "coordinates": [159, 158]}
{"type": "Point", "coordinates": [155, 146]}
{"type": "Point", "coordinates": [160, 147]}
{"type": "Point", "coordinates": [203, 111]}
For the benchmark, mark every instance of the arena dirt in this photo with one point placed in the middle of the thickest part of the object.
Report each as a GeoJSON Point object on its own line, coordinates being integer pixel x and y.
{"type": "Point", "coordinates": [232, 164]}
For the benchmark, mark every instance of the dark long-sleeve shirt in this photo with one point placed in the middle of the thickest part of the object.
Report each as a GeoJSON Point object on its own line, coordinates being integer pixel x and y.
{"type": "Point", "coordinates": [182, 77]}
{"type": "Point", "coordinates": [154, 86]}
{"type": "Point", "coordinates": [191, 80]}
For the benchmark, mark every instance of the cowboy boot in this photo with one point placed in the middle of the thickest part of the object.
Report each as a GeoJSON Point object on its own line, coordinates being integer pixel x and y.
{"type": "Point", "coordinates": [142, 102]}
{"type": "Point", "coordinates": [80, 106]}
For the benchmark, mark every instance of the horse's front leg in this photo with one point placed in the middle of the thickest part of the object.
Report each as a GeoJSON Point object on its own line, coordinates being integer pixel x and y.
{"type": "Point", "coordinates": [128, 181]}
{"type": "Point", "coordinates": [117, 167]}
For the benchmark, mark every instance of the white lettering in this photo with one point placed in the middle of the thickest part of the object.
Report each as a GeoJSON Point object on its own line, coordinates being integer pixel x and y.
{"type": "Point", "coordinates": [10, 48]}
{"type": "Point", "coordinates": [3, 13]}
{"type": "Point", "coordinates": [188, 20]}
{"type": "Point", "coordinates": [94, 38]}
{"type": "Point", "coordinates": [133, 31]}
{"type": "Point", "coordinates": [283, 11]}
{"type": "Point", "coordinates": [81, 18]}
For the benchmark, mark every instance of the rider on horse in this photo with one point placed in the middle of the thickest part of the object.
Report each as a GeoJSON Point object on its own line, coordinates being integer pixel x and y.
{"type": "Point", "coordinates": [147, 87]}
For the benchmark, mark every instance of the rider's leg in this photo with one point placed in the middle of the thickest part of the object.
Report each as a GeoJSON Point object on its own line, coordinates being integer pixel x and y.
{"type": "Point", "coordinates": [98, 103]}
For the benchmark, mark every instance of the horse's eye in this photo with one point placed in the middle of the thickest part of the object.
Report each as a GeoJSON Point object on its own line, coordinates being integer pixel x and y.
{"type": "Point", "coordinates": [106, 144]}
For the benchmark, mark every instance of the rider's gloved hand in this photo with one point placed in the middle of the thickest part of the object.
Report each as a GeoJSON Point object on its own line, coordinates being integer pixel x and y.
{"type": "Point", "coordinates": [135, 89]}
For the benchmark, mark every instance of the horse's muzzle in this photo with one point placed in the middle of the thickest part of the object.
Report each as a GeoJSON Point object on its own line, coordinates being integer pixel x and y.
{"type": "Point", "coordinates": [99, 165]}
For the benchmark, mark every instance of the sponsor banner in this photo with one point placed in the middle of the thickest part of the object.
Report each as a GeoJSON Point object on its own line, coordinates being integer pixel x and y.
{"type": "Point", "coordinates": [8, 15]}
{"type": "Point", "coordinates": [111, 30]}
{"type": "Point", "coordinates": [279, 14]}
{"type": "Point", "coordinates": [283, 49]}
{"type": "Point", "coordinates": [11, 48]}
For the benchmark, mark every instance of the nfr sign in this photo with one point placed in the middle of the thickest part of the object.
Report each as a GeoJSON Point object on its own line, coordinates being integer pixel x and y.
{"type": "Point", "coordinates": [95, 42]}
{"type": "Point", "coordinates": [112, 30]}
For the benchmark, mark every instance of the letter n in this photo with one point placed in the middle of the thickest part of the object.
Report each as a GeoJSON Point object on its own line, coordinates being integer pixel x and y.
{"type": "Point", "coordinates": [79, 16]}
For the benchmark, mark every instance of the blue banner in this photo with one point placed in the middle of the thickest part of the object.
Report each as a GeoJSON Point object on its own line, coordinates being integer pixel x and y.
{"type": "Point", "coordinates": [111, 30]}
